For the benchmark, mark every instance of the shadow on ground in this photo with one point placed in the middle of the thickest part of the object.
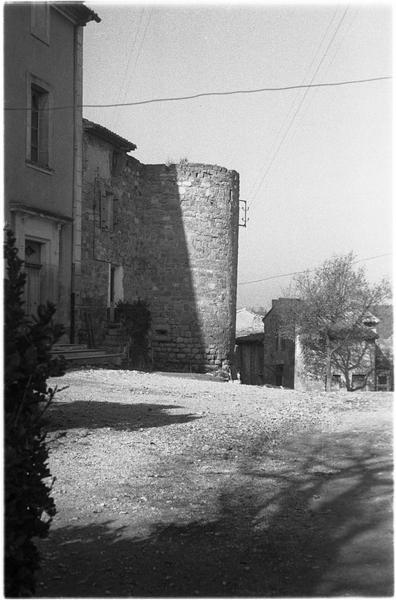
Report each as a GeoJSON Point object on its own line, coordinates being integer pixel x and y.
{"type": "Point", "coordinates": [310, 519]}
{"type": "Point", "coordinates": [62, 416]}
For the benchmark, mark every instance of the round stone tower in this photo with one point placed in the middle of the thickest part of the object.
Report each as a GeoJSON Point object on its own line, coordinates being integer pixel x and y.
{"type": "Point", "coordinates": [191, 216]}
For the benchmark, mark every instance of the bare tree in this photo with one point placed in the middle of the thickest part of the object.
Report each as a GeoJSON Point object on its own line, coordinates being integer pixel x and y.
{"type": "Point", "coordinates": [331, 318]}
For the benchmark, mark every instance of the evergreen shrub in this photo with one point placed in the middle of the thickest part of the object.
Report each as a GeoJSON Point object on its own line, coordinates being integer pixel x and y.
{"type": "Point", "coordinates": [29, 507]}
{"type": "Point", "coordinates": [135, 318]}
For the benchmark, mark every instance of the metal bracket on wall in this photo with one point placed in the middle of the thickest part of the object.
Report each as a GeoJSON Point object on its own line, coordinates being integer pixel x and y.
{"type": "Point", "coordinates": [242, 213]}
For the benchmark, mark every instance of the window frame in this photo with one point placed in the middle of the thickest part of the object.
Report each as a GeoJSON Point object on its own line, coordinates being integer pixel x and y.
{"type": "Point", "coordinates": [35, 85]}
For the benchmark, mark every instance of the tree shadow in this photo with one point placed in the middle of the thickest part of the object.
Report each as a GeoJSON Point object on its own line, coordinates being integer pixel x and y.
{"type": "Point", "coordinates": [315, 524]}
{"type": "Point", "coordinates": [62, 416]}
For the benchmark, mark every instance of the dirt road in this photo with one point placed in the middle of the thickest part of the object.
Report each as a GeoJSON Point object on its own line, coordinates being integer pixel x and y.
{"type": "Point", "coordinates": [179, 486]}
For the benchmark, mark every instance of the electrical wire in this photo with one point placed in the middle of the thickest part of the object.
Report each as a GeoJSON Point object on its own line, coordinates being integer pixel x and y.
{"type": "Point", "coordinates": [308, 270]}
{"type": "Point", "coordinates": [131, 51]}
{"type": "Point", "coordinates": [208, 94]}
{"type": "Point", "coordinates": [139, 50]}
{"type": "Point", "coordinates": [313, 95]}
{"type": "Point", "coordinates": [308, 87]}
{"type": "Point", "coordinates": [254, 189]}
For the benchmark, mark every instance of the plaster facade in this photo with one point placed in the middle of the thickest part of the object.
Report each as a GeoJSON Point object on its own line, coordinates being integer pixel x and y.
{"type": "Point", "coordinates": [42, 72]}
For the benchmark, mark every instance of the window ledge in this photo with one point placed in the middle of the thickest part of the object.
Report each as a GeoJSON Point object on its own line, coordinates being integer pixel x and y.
{"type": "Point", "coordinates": [40, 168]}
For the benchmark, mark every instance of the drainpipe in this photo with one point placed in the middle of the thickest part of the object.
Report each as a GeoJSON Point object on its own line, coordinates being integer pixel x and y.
{"type": "Point", "coordinates": [77, 178]}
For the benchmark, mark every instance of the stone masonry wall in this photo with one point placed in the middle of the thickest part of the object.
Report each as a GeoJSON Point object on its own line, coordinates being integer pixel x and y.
{"type": "Point", "coordinates": [191, 214]}
{"type": "Point", "coordinates": [109, 237]}
{"type": "Point", "coordinates": [174, 231]}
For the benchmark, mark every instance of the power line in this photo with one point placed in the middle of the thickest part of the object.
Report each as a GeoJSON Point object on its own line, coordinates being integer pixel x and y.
{"type": "Point", "coordinates": [131, 51]}
{"type": "Point", "coordinates": [308, 270]}
{"type": "Point", "coordinates": [253, 193]}
{"type": "Point", "coordinates": [308, 87]}
{"type": "Point", "coordinates": [128, 81]}
{"type": "Point", "coordinates": [207, 94]}
{"type": "Point", "coordinates": [312, 98]}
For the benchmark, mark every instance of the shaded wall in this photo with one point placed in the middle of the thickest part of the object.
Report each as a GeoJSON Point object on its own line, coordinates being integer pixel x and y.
{"type": "Point", "coordinates": [279, 352]}
{"type": "Point", "coordinates": [175, 233]}
{"type": "Point", "coordinates": [192, 235]}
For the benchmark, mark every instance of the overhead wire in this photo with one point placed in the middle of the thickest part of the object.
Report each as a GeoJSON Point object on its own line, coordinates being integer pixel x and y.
{"type": "Point", "coordinates": [208, 94]}
{"type": "Point", "coordinates": [309, 270]}
{"type": "Point", "coordinates": [130, 75]}
{"type": "Point", "coordinates": [313, 95]}
{"type": "Point", "coordinates": [308, 87]}
{"type": "Point", "coordinates": [131, 51]}
{"type": "Point", "coordinates": [253, 190]}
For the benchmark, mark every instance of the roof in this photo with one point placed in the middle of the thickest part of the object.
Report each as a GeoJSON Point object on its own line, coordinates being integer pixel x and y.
{"type": "Point", "coordinates": [252, 338]}
{"type": "Point", "coordinates": [356, 333]}
{"type": "Point", "coordinates": [76, 12]}
{"type": "Point", "coordinates": [109, 136]}
{"type": "Point", "coordinates": [281, 306]}
{"type": "Point", "coordinates": [248, 322]}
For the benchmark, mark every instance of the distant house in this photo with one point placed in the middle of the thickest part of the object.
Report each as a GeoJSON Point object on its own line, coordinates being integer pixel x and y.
{"type": "Point", "coordinates": [282, 357]}
{"type": "Point", "coordinates": [249, 352]}
{"type": "Point", "coordinates": [384, 372]}
{"type": "Point", "coordinates": [43, 144]}
{"type": "Point", "coordinates": [284, 363]}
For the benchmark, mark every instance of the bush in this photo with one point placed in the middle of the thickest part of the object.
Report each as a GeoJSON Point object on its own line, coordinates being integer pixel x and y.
{"type": "Point", "coordinates": [29, 508]}
{"type": "Point", "coordinates": [136, 320]}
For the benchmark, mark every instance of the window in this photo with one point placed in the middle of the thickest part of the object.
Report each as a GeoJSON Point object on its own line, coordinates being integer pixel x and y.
{"type": "Point", "coordinates": [39, 20]}
{"type": "Point", "coordinates": [358, 381]}
{"type": "Point", "coordinates": [280, 342]}
{"type": "Point", "coordinates": [38, 126]}
{"type": "Point", "coordinates": [383, 383]}
{"type": "Point", "coordinates": [39, 123]}
{"type": "Point", "coordinates": [107, 211]}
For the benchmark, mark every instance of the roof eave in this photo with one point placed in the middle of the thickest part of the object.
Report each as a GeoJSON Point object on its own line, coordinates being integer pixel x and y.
{"type": "Point", "coordinates": [105, 134]}
{"type": "Point", "coordinates": [77, 12]}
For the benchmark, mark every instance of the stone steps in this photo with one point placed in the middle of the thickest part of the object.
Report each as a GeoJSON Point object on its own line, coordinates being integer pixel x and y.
{"type": "Point", "coordinates": [79, 354]}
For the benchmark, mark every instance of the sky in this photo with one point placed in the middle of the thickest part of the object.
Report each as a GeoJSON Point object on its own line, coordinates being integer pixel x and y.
{"type": "Point", "coordinates": [314, 163]}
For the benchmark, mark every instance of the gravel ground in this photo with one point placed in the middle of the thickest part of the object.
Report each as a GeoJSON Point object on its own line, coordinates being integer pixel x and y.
{"type": "Point", "coordinates": [176, 485]}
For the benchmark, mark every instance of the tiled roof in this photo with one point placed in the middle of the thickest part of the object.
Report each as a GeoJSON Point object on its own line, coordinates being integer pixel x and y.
{"type": "Point", "coordinates": [109, 136]}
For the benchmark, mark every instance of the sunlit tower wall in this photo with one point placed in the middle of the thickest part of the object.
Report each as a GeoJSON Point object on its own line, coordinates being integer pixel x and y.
{"type": "Point", "coordinates": [191, 219]}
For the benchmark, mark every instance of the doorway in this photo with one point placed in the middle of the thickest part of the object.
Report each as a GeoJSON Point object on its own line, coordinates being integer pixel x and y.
{"type": "Point", "coordinates": [116, 289]}
{"type": "Point", "coordinates": [33, 270]}
{"type": "Point", "coordinates": [279, 375]}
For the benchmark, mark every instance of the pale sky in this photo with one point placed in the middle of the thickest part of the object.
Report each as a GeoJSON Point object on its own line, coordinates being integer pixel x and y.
{"type": "Point", "coordinates": [315, 166]}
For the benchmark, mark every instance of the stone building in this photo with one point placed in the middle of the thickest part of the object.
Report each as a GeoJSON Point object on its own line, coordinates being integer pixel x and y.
{"type": "Point", "coordinates": [282, 359]}
{"type": "Point", "coordinates": [384, 371]}
{"type": "Point", "coordinates": [43, 143]}
{"type": "Point", "coordinates": [167, 234]}
{"type": "Point", "coordinates": [284, 363]}
{"type": "Point", "coordinates": [249, 349]}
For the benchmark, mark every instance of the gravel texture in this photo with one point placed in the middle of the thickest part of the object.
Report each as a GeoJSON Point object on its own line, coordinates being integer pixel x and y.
{"type": "Point", "coordinates": [182, 485]}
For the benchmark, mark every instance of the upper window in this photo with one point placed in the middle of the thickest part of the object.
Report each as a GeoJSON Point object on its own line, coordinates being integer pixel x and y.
{"type": "Point", "coordinates": [107, 210]}
{"type": "Point", "coordinates": [39, 123]}
{"type": "Point", "coordinates": [39, 21]}
{"type": "Point", "coordinates": [39, 126]}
